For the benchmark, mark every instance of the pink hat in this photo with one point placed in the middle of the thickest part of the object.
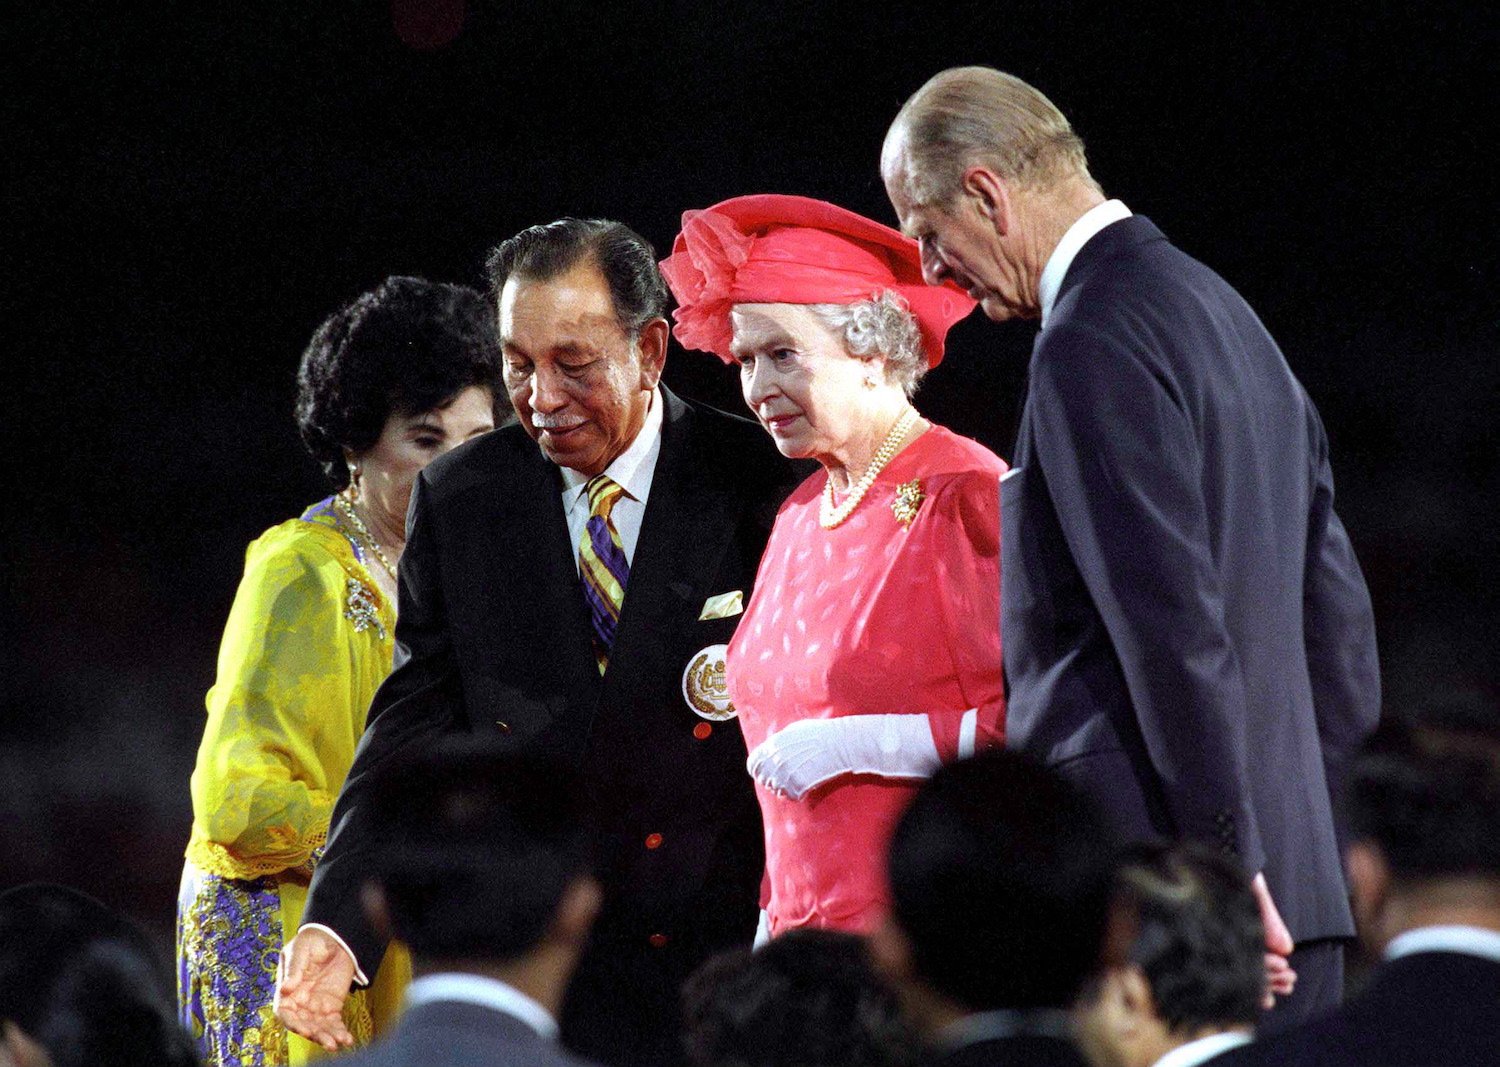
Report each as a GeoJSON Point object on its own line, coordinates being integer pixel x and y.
{"type": "Point", "coordinates": [774, 249]}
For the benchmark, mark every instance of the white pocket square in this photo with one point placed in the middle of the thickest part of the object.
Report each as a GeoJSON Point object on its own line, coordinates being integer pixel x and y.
{"type": "Point", "coordinates": [723, 606]}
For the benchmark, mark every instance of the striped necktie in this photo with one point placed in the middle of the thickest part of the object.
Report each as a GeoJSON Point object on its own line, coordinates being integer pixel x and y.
{"type": "Point", "coordinates": [602, 566]}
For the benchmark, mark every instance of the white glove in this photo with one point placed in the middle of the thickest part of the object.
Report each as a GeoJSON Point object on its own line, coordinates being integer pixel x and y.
{"type": "Point", "coordinates": [808, 753]}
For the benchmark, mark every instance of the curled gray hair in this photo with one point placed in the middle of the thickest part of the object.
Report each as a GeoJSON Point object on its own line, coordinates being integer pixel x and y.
{"type": "Point", "coordinates": [883, 326]}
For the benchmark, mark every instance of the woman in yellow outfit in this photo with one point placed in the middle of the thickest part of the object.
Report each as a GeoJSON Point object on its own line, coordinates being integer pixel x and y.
{"type": "Point", "coordinates": [388, 383]}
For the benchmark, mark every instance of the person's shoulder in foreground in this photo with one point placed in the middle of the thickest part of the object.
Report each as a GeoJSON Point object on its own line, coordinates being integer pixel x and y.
{"type": "Point", "coordinates": [483, 873]}
{"type": "Point", "coordinates": [996, 859]}
{"type": "Point", "coordinates": [1423, 805]}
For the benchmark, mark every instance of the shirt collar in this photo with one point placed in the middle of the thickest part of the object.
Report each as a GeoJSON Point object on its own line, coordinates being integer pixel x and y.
{"type": "Point", "coordinates": [1469, 940]}
{"type": "Point", "coordinates": [994, 1025]}
{"type": "Point", "coordinates": [633, 468]}
{"type": "Point", "coordinates": [1088, 224]}
{"type": "Point", "coordinates": [487, 993]}
{"type": "Point", "coordinates": [1204, 1049]}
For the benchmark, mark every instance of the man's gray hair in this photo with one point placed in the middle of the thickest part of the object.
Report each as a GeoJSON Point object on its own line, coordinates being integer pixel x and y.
{"type": "Point", "coordinates": [883, 326]}
{"type": "Point", "coordinates": [975, 115]}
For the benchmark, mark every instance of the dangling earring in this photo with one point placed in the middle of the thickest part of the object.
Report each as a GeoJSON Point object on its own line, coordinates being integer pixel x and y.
{"type": "Point", "coordinates": [870, 382]}
{"type": "Point", "coordinates": [353, 481]}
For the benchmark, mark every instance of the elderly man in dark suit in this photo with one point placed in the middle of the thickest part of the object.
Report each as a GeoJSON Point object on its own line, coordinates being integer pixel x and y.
{"type": "Point", "coordinates": [482, 871]}
{"type": "Point", "coordinates": [1423, 804]}
{"type": "Point", "coordinates": [575, 600]}
{"type": "Point", "coordinates": [1186, 630]}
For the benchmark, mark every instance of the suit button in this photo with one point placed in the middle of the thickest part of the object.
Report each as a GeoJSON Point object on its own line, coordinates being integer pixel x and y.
{"type": "Point", "coordinates": [502, 726]}
{"type": "Point", "coordinates": [702, 730]}
{"type": "Point", "coordinates": [653, 840]}
{"type": "Point", "coordinates": [657, 940]}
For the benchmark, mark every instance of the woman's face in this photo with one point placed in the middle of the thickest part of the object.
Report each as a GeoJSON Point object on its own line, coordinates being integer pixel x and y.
{"type": "Point", "coordinates": [410, 442]}
{"type": "Point", "coordinates": [800, 381]}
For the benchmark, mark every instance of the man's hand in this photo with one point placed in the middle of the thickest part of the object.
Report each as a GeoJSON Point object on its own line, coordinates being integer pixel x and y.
{"type": "Point", "coordinates": [1280, 978]}
{"type": "Point", "coordinates": [312, 980]}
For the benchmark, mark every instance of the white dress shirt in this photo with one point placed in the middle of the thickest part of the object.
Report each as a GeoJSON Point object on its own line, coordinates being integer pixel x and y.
{"type": "Point", "coordinates": [487, 993]}
{"type": "Point", "coordinates": [1088, 224]}
{"type": "Point", "coordinates": [1468, 940]}
{"type": "Point", "coordinates": [634, 470]}
{"type": "Point", "coordinates": [1205, 1048]}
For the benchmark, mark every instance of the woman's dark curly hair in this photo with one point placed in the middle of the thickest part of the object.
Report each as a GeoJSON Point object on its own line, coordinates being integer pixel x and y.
{"type": "Point", "coordinates": [405, 347]}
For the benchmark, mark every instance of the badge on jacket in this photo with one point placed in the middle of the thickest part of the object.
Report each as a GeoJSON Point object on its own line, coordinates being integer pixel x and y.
{"type": "Point", "coordinates": [704, 687]}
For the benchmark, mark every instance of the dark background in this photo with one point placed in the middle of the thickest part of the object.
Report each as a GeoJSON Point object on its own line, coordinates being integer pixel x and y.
{"type": "Point", "coordinates": [192, 188]}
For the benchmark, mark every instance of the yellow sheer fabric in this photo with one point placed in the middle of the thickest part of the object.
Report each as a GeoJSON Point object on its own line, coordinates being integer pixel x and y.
{"type": "Point", "coordinates": [308, 641]}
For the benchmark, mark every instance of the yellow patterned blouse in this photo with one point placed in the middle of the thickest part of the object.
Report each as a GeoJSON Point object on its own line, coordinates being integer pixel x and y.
{"type": "Point", "coordinates": [309, 639]}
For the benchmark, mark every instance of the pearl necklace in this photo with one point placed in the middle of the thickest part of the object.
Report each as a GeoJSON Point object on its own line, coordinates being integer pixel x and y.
{"type": "Point", "coordinates": [347, 509]}
{"type": "Point", "coordinates": [829, 515]}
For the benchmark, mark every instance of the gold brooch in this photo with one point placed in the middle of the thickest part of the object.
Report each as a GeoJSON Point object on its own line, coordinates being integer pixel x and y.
{"type": "Point", "coordinates": [909, 497]}
{"type": "Point", "coordinates": [361, 609]}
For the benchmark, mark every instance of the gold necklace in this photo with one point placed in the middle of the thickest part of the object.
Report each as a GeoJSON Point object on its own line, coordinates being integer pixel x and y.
{"type": "Point", "coordinates": [343, 504]}
{"type": "Point", "coordinates": [830, 516]}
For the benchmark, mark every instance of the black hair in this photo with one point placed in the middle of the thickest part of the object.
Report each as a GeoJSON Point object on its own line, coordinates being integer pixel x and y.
{"type": "Point", "coordinates": [1198, 935]}
{"type": "Point", "coordinates": [1425, 788]}
{"type": "Point", "coordinates": [807, 999]}
{"type": "Point", "coordinates": [85, 983]}
{"type": "Point", "coordinates": [626, 259]}
{"type": "Point", "coordinates": [1000, 877]}
{"type": "Point", "coordinates": [405, 347]}
{"type": "Point", "coordinates": [477, 848]}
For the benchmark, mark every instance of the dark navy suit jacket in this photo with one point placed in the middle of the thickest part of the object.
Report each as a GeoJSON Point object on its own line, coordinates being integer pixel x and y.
{"type": "Point", "coordinates": [1429, 1009]}
{"type": "Point", "coordinates": [1187, 632]}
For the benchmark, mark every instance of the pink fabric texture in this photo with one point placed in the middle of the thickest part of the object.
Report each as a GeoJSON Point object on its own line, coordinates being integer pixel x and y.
{"type": "Point", "coordinates": [775, 249]}
{"type": "Point", "coordinates": [873, 616]}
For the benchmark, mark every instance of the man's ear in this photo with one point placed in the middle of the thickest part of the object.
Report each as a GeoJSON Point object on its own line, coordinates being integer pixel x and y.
{"type": "Point", "coordinates": [1132, 991]}
{"type": "Point", "coordinates": [991, 196]}
{"type": "Point", "coordinates": [372, 901]}
{"type": "Point", "coordinates": [1369, 883]}
{"type": "Point", "coordinates": [652, 344]}
{"type": "Point", "coordinates": [890, 952]}
{"type": "Point", "coordinates": [576, 912]}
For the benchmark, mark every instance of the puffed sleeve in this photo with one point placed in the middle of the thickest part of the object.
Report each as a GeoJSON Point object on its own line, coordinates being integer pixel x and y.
{"type": "Point", "coordinates": [966, 548]}
{"type": "Point", "coordinates": [262, 793]}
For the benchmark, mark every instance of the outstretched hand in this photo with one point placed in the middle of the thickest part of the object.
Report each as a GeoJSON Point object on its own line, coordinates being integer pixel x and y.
{"type": "Point", "coordinates": [1280, 978]}
{"type": "Point", "coordinates": [312, 981]}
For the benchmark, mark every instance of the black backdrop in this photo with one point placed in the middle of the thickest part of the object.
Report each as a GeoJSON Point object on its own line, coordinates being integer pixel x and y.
{"type": "Point", "coordinates": [192, 188]}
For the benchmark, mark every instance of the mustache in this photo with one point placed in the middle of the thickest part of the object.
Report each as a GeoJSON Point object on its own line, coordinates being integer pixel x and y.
{"type": "Point", "coordinates": [555, 422]}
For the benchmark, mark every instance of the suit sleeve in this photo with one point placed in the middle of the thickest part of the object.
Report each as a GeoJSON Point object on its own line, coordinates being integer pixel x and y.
{"type": "Point", "coordinates": [414, 708]}
{"type": "Point", "coordinates": [1338, 627]}
{"type": "Point", "coordinates": [1122, 460]}
{"type": "Point", "coordinates": [968, 554]}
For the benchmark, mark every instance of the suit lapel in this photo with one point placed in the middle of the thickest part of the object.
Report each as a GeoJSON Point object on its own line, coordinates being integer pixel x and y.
{"type": "Point", "coordinates": [534, 569]}
{"type": "Point", "coordinates": [689, 517]}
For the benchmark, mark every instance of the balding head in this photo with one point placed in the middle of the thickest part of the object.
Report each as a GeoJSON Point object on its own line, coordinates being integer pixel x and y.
{"type": "Point", "coordinates": [969, 116]}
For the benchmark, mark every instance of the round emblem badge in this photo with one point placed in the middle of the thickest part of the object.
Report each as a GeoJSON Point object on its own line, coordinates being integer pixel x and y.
{"type": "Point", "coordinates": [703, 685]}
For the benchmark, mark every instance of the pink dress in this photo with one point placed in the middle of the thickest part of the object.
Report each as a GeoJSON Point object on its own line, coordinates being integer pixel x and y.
{"type": "Point", "coordinates": [873, 616]}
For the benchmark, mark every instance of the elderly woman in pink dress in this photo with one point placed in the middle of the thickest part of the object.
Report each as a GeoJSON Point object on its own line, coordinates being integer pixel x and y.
{"type": "Point", "coordinates": [870, 651]}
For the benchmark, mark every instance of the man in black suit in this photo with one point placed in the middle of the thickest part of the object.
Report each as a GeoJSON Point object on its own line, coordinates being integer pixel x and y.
{"type": "Point", "coordinates": [1000, 879]}
{"type": "Point", "coordinates": [1186, 630]}
{"type": "Point", "coordinates": [482, 871]}
{"type": "Point", "coordinates": [1423, 806]}
{"type": "Point", "coordinates": [511, 624]}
